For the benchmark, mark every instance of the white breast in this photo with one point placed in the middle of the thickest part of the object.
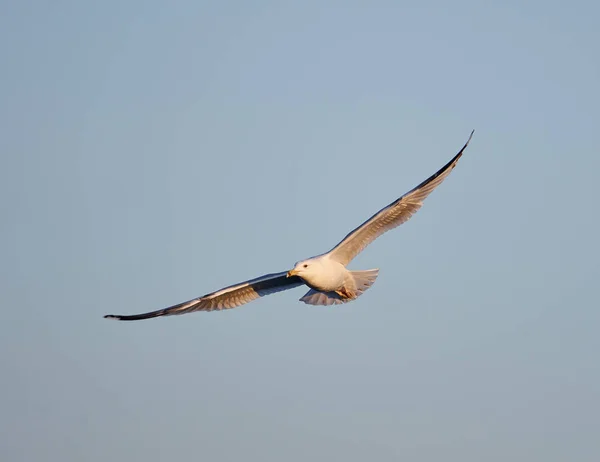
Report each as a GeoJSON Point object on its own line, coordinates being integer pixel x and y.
{"type": "Point", "coordinates": [326, 275]}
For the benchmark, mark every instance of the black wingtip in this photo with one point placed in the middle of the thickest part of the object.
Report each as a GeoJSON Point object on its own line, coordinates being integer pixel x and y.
{"type": "Point", "coordinates": [136, 317]}
{"type": "Point", "coordinates": [457, 156]}
{"type": "Point", "coordinates": [467, 143]}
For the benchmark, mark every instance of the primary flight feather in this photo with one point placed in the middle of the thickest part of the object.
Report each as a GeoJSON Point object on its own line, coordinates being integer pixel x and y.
{"type": "Point", "coordinates": [326, 275]}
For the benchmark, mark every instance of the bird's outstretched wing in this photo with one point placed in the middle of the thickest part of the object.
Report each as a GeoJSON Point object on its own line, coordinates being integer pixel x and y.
{"type": "Point", "coordinates": [229, 297]}
{"type": "Point", "coordinates": [391, 216]}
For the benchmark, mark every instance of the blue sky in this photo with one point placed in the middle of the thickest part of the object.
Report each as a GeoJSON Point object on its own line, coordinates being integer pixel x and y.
{"type": "Point", "coordinates": [152, 152]}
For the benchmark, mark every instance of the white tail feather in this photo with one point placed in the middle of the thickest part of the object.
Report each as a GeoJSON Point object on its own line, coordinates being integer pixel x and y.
{"type": "Point", "coordinates": [364, 279]}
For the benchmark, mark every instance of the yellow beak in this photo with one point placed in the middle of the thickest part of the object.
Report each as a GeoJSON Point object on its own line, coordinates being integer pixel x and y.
{"type": "Point", "coordinates": [290, 273]}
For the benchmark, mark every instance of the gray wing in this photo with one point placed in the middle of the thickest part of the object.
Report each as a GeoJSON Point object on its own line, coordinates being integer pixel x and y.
{"type": "Point", "coordinates": [391, 216]}
{"type": "Point", "coordinates": [229, 297]}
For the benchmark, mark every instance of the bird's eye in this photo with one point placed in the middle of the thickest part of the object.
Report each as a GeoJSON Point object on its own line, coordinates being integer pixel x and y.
{"type": "Point", "coordinates": [306, 266]}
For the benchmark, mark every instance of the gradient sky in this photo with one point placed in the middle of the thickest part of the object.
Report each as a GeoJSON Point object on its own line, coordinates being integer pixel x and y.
{"type": "Point", "coordinates": [152, 152]}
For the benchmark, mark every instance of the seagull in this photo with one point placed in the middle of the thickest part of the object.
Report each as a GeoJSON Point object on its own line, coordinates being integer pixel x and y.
{"type": "Point", "coordinates": [326, 275]}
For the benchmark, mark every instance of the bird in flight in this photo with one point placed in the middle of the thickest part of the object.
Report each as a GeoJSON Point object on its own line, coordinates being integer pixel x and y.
{"type": "Point", "coordinates": [326, 275]}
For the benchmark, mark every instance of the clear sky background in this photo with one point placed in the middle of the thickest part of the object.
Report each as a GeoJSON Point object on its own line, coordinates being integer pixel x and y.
{"type": "Point", "coordinates": [152, 152]}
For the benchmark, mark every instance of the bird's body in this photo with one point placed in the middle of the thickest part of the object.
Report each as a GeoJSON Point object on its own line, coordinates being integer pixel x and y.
{"type": "Point", "coordinates": [331, 282]}
{"type": "Point", "coordinates": [321, 273]}
{"type": "Point", "coordinates": [327, 275]}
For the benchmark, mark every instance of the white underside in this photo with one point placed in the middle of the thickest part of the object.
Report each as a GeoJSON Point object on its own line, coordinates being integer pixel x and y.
{"type": "Point", "coordinates": [356, 281]}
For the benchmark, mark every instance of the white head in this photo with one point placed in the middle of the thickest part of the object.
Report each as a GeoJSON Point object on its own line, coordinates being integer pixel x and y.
{"type": "Point", "coordinates": [304, 268]}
